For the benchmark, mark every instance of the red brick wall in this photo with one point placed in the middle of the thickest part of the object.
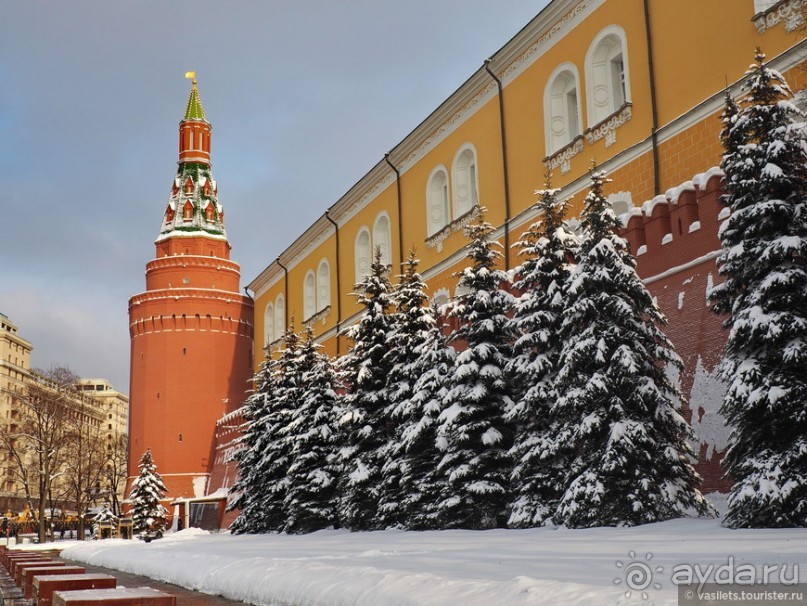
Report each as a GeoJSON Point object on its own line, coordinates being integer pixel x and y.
{"type": "Point", "coordinates": [678, 269]}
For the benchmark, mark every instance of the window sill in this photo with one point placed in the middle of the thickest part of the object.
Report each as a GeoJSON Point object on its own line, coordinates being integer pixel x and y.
{"type": "Point", "coordinates": [274, 345]}
{"type": "Point", "coordinates": [606, 129]}
{"type": "Point", "coordinates": [791, 12]}
{"type": "Point", "coordinates": [564, 155]}
{"type": "Point", "coordinates": [318, 317]}
{"type": "Point", "coordinates": [436, 240]}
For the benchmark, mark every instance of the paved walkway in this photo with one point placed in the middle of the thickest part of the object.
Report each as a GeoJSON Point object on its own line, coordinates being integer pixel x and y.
{"type": "Point", "coordinates": [185, 597]}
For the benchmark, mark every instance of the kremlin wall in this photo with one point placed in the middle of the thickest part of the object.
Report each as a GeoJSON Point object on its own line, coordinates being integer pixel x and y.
{"type": "Point", "coordinates": [635, 85]}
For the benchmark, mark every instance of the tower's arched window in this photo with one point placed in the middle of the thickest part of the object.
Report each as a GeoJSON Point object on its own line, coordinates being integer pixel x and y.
{"type": "Point", "coordinates": [269, 324]}
{"type": "Point", "coordinates": [437, 201]}
{"type": "Point", "coordinates": [280, 316]}
{"type": "Point", "coordinates": [309, 295]}
{"type": "Point", "coordinates": [323, 285]}
{"type": "Point", "coordinates": [607, 82]}
{"type": "Point", "coordinates": [464, 178]}
{"type": "Point", "coordinates": [382, 239]}
{"type": "Point", "coordinates": [363, 253]}
{"type": "Point", "coordinates": [562, 108]}
{"type": "Point", "coordinates": [187, 211]}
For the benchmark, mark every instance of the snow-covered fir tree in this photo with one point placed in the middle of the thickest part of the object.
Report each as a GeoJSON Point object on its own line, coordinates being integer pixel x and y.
{"type": "Point", "coordinates": [411, 324]}
{"type": "Point", "coordinates": [423, 486]}
{"type": "Point", "coordinates": [476, 462]}
{"type": "Point", "coordinates": [549, 248]}
{"type": "Point", "coordinates": [248, 487]}
{"type": "Point", "coordinates": [148, 514]}
{"type": "Point", "coordinates": [104, 516]}
{"type": "Point", "coordinates": [314, 470]}
{"type": "Point", "coordinates": [275, 456]}
{"type": "Point", "coordinates": [265, 459]}
{"type": "Point", "coordinates": [363, 424]}
{"type": "Point", "coordinates": [627, 442]}
{"type": "Point", "coordinates": [764, 294]}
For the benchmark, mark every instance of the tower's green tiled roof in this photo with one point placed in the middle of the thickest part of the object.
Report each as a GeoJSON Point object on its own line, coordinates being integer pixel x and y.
{"type": "Point", "coordinates": [194, 111]}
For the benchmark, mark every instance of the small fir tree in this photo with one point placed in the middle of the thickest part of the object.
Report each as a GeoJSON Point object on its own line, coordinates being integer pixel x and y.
{"type": "Point", "coordinates": [148, 489]}
{"type": "Point", "coordinates": [314, 470]}
{"type": "Point", "coordinates": [248, 488]}
{"type": "Point", "coordinates": [411, 323]}
{"type": "Point", "coordinates": [764, 296]}
{"type": "Point", "coordinates": [104, 516]}
{"type": "Point", "coordinates": [550, 249]}
{"type": "Point", "coordinates": [363, 423]}
{"type": "Point", "coordinates": [627, 443]}
{"type": "Point", "coordinates": [423, 486]}
{"type": "Point", "coordinates": [275, 457]}
{"type": "Point", "coordinates": [476, 462]}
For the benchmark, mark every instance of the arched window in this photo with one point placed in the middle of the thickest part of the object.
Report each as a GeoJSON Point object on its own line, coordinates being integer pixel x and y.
{"type": "Point", "coordinates": [562, 108]}
{"type": "Point", "coordinates": [363, 253]}
{"type": "Point", "coordinates": [607, 81]}
{"type": "Point", "coordinates": [323, 285]}
{"type": "Point", "coordinates": [269, 324]}
{"type": "Point", "coordinates": [440, 298]}
{"type": "Point", "coordinates": [437, 201]}
{"type": "Point", "coordinates": [382, 239]}
{"type": "Point", "coordinates": [280, 316]}
{"type": "Point", "coordinates": [309, 295]}
{"type": "Point", "coordinates": [464, 177]}
{"type": "Point", "coordinates": [187, 211]}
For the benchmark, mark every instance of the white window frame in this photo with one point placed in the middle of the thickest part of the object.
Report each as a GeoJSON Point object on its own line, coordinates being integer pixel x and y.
{"type": "Point", "coordinates": [363, 253]}
{"type": "Point", "coordinates": [437, 200]}
{"type": "Point", "coordinates": [269, 324]}
{"type": "Point", "coordinates": [763, 5]}
{"type": "Point", "coordinates": [561, 128]}
{"type": "Point", "coordinates": [280, 316]}
{"type": "Point", "coordinates": [465, 178]}
{"type": "Point", "coordinates": [309, 294]}
{"type": "Point", "coordinates": [382, 238]}
{"type": "Point", "coordinates": [323, 285]}
{"type": "Point", "coordinates": [602, 88]}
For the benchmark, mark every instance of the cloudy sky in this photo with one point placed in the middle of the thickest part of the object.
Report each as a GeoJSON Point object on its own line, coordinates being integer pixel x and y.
{"type": "Point", "coordinates": [304, 96]}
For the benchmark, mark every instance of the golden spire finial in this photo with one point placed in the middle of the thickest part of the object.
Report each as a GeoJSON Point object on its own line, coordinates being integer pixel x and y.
{"type": "Point", "coordinates": [192, 76]}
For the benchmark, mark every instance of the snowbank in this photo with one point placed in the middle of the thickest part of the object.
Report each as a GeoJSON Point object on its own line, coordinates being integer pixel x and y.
{"type": "Point", "coordinates": [462, 568]}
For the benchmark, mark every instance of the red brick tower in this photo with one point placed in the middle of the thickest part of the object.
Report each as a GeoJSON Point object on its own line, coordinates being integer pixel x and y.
{"type": "Point", "coordinates": [191, 330]}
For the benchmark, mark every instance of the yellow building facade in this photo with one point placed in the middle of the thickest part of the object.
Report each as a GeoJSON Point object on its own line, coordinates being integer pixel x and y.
{"type": "Point", "coordinates": [635, 85]}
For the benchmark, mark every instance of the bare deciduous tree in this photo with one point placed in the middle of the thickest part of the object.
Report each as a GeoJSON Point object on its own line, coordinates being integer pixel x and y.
{"type": "Point", "coordinates": [37, 436]}
{"type": "Point", "coordinates": [84, 463]}
{"type": "Point", "coordinates": [115, 470]}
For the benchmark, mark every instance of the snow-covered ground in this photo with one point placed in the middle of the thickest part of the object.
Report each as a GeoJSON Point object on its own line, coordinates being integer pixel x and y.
{"type": "Point", "coordinates": [462, 568]}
